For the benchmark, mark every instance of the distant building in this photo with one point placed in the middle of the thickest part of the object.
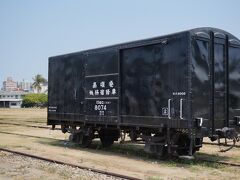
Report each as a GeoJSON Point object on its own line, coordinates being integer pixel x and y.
{"type": "Point", "coordinates": [25, 86]}
{"type": "Point", "coordinates": [9, 85]}
{"type": "Point", "coordinates": [11, 99]}
{"type": "Point", "coordinates": [44, 88]}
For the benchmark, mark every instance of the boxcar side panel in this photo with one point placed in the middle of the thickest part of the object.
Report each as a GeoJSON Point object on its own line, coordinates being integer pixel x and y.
{"type": "Point", "coordinates": [66, 92]}
{"type": "Point", "coordinates": [155, 83]}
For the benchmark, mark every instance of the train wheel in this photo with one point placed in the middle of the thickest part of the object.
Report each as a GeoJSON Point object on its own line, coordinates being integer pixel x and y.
{"type": "Point", "coordinates": [183, 143]}
{"type": "Point", "coordinates": [64, 128]}
{"type": "Point", "coordinates": [81, 139]}
{"type": "Point", "coordinates": [108, 136]}
{"type": "Point", "coordinates": [133, 135]}
{"type": "Point", "coordinates": [106, 141]}
{"type": "Point", "coordinates": [74, 138]}
{"type": "Point", "coordinates": [85, 141]}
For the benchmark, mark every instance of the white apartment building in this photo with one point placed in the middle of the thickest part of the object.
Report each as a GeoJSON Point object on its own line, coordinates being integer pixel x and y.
{"type": "Point", "coordinates": [11, 99]}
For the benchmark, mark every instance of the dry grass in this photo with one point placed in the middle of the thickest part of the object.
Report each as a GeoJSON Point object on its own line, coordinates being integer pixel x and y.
{"type": "Point", "coordinates": [24, 115]}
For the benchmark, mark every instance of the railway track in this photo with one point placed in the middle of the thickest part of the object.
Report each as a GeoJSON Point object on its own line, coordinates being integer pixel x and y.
{"type": "Point", "coordinates": [31, 136]}
{"type": "Point", "coordinates": [32, 126]}
{"type": "Point", "coordinates": [221, 162]}
{"type": "Point", "coordinates": [216, 144]}
{"type": "Point", "coordinates": [69, 164]}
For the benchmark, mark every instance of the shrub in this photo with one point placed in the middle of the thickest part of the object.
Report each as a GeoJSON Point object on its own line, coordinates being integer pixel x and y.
{"type": "Point", "coordinates": [35, 100]}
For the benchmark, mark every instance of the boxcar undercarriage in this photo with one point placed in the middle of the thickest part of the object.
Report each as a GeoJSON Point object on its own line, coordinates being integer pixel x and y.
{"type": "Point", "coordinates": [163, 142]}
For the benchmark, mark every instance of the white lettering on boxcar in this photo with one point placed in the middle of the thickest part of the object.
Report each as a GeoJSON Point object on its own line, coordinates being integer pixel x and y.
{"type": "Point", "coordinates": [111, 84]}
{"type": "Point", "coordinates": [102, 92]}
{"type": "Point", "coordinates": [99, 102]}
{"type": "Point", "coordinates": [96, 92]}
{"type": "Point", "coordinates": [179, 93]}
{"type": "Point", "coordinates": [114, 91]}
{"type": "Point", "coordinates": [107, 91]}
{"type": "Point", "coordinates": [102, 84]}
{"type": "Point", "coordinates": [100, 107]}
{"type": "Point", "coordinates": [94, 85]}
{"type": "Point", "coordinates": [102, 88]}
{"type": "Point", "coordinates": [165, 111]}
{"type": "Point", "coordinates": [101, 113]}
{"type": "Point", "coordinates": [52, 108]}
{"type": "Point", "coordinates": [91, 93]}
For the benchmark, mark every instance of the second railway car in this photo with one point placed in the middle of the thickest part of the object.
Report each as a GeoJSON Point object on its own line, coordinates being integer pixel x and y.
{"type": "Point", "coordinates": [171, 91]}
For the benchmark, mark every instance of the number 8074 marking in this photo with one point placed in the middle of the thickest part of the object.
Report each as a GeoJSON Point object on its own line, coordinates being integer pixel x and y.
{"type": "Point", "coordinates": [100, 107]}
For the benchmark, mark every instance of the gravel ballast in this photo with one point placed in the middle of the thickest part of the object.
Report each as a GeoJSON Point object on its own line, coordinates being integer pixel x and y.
{"type": "Point", "coordinates": [19, 167]}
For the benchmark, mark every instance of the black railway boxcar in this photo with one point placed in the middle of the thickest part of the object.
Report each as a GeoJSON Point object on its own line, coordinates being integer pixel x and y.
{"type": "Point", "coordinates": [171, 91]}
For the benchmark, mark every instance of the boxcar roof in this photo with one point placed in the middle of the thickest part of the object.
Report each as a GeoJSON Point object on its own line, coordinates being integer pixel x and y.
{"type": "Point", "coordinates": [205, 30]}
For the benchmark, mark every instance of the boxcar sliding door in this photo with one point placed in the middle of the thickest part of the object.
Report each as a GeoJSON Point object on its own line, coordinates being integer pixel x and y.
{"type": "Point", "coordinates": [154, 83]}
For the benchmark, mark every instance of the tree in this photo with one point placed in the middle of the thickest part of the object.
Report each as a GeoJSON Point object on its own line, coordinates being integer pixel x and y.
{"type": "Point", "coordinates": [35, 100]}
{"type": "Point", "coordinates": [38, 80]}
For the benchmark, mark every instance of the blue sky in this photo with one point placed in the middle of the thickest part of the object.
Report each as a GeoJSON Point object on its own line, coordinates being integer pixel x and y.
{"type": "Point", "coordinates": [31, 30]}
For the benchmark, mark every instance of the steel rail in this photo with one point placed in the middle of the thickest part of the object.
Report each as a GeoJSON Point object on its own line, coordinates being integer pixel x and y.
{"type": "Point", "coordinates": [220, 162]}
{"type": "Point", "coordinates": [216, 144]}
{"type": "Point", "coordinates": [31, 136]}
{"type": "Point", "coordinates": [26, 125]}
